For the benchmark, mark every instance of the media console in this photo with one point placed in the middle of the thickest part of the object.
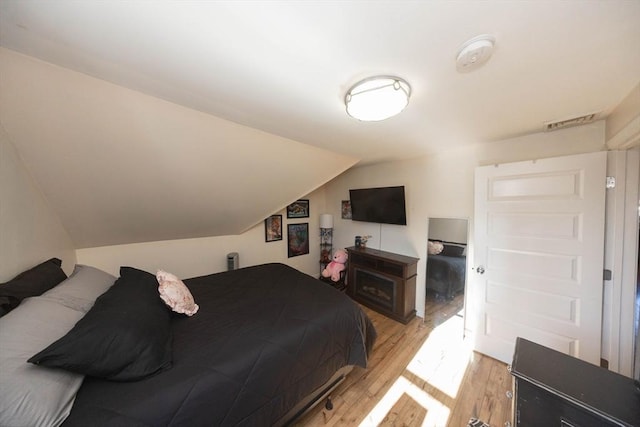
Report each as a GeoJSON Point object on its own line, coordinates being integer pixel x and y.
{"type": "Point", "coordinates": [383, 281]}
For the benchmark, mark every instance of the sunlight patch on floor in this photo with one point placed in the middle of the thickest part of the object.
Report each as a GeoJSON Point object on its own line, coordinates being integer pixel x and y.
{"type": "Point", "coordinates": [443, 358]}
{"type": "Point", "coordinates": [441, 361]}
{"type": "Point", "coordinates": [437, 412]}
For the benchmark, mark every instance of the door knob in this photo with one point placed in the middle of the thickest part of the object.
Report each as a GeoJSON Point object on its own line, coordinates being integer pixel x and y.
{"type": "Point", "coordinates": [480, 269]}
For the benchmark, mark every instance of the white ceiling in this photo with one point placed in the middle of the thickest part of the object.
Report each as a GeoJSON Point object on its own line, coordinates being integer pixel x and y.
{"type": "Point", "coordinates": [283, 67]}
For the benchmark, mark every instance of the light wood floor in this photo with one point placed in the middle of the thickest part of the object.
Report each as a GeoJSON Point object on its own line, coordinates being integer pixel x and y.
{"type": "Point", "coordinates": [420, 374]}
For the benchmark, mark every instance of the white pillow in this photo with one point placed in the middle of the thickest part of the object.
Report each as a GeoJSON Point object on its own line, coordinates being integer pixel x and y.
{"type": "Point", "coordinates": [34, 395]}
{"type": "Point", "coordinates": [434, 247]}
{"type": "Point", "coordinates": [176, 294]}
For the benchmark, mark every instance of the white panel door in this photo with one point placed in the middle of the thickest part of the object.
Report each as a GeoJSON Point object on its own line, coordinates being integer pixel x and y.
{"type": "Point", "coordinates": [539, 247]}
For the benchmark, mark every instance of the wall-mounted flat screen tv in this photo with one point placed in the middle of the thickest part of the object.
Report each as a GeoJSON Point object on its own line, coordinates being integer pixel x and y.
{"type": "Point", "coordinates": [385, 205]}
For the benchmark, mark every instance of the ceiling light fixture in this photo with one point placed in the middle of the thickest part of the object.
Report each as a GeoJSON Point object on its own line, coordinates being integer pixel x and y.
{"type": "Point", "coordinates": [377, 98]}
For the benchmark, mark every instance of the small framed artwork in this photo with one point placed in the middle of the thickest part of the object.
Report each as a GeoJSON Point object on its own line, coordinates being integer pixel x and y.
{"type": "Point", "coordinates": [298, 238]}
{"type": "Point", "coordinates": [298, 209]}
{"type": "Point", "coordinates": [346, 209]}
{"type": "Point", "coordinates": [273, 228]}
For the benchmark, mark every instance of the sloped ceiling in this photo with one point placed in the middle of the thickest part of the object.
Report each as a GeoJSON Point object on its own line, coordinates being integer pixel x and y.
{"type": "Point", "coordinates": [122, 167]}
{"type": "Point", "coordinates": [184, 119]}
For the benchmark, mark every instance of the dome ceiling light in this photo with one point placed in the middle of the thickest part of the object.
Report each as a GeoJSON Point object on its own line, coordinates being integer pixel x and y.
{"type": "Point", "coordinates": [377, 98]}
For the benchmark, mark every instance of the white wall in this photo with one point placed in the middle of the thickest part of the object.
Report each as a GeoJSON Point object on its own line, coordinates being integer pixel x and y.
{"type": "Point", "coordinates": [30, 232]}
{"type": "Point", "coordinates": [449, 229]}
{"type": "Point", "coordinates": [195, 257]}
{"type": "Point", "coordinates": [442, 186]}
{"type": "Point", "coordinates": [437, 186]}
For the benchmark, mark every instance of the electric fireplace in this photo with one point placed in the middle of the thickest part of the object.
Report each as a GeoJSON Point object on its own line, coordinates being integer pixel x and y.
{"type": "Point", "coordinates": [375, 288]}
{"type": "Point", "coordinates": [383, 281]}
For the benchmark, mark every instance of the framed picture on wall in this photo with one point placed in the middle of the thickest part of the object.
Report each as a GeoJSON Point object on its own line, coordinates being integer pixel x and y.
{"type": "Point", "coordinates": [298, 209]}
{"type": "Point", "coordinates": [346, 209]}
{"type": "Point", "coordinates": [273, 228]}
{"type": "Point", "coordinates": [298, 239]}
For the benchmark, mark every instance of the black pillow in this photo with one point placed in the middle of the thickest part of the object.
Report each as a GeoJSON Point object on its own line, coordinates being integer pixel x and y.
{"type": "Point", "coordinates": [30, 283]}
{"type": "Point", "coordinates": [452, 250]}
{"type": "Point", "coordinates": [126, 335]}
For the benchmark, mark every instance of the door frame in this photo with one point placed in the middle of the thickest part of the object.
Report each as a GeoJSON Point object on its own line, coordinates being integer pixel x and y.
{"type": "Point", "coordinates": [621, 258]}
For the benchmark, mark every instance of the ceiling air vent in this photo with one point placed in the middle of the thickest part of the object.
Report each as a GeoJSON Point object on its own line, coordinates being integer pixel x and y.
{"type": "Point", "coordinates": [575, 121]}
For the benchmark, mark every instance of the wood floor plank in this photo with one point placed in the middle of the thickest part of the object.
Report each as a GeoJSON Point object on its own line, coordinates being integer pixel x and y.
{"type": "Point", "coordinates": [406, 412]}
{"type": "Point", "coordinates": [496, 403]}
{"type": "Point", "coordinates": [469, 400]}
{"type": "Point", "coordinates": [419, 374]}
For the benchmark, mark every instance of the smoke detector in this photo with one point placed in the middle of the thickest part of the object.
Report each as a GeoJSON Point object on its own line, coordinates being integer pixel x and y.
{"type": "Point", "coordinates": [474, 53]}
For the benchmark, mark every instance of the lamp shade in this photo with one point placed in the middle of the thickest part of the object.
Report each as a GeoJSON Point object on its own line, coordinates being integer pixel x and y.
{"type": "Point", "coordinates": [377, 98]}
{"type": "Point", "coordinates": [326, 221]}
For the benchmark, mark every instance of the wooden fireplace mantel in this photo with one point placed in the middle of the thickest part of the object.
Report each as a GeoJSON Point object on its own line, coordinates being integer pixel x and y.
{"type": "Point", "coordinates": [397, 273]}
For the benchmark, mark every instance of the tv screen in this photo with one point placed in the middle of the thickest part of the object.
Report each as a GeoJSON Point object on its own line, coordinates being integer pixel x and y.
{"type": "Point", "coordinates": [385, 205]}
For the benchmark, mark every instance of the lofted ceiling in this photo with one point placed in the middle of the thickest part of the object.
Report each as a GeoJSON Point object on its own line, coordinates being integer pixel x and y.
{"type": "Point", "coordinates": [137, 117]}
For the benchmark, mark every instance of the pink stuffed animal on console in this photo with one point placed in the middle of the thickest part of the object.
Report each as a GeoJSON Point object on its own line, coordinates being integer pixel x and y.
{"type": "Point", "coordinates": [336, 266]}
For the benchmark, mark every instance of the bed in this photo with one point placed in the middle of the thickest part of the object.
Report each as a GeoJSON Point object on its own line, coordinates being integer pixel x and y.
{"type": "Point", "coordinates": [265, 345]}
{"type": "Point", "coordinates": [446, 267]}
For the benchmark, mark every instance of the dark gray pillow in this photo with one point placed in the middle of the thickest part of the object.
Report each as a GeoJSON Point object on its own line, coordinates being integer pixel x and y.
{"type": "Point", "coordinates": [126, 335]}
{"type": "Point", "coordinates": [30, 283]}
{"type": "Point", "coordinates": [453, 250]}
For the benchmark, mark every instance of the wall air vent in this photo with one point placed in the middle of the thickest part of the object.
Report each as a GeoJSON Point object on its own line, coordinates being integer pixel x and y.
{"type": "Point", "coordinates": [574, 121]}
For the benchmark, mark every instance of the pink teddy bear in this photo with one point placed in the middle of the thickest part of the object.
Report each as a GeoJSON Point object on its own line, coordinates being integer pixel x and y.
{"type": "Point", "coordinates": [336, 266]}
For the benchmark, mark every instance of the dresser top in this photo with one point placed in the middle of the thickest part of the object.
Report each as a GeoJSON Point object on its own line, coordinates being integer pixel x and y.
{"type": "Point", "coordinates": [611, 395]}
{"type": "Point", "coordinates": [404, 259]}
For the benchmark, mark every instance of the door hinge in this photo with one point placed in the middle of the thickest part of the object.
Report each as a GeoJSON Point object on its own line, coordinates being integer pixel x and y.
{"type": "Point", "coordinates": [611, 182]}
{"type": "Point", "coordinates": [607, 274]}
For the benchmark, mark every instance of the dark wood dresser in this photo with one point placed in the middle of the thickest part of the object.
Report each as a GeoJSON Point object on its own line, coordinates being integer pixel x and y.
{"type": "Point", "coordinates": [554, 389]}
{"type": "Point", "coordinates": [383, 281]}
